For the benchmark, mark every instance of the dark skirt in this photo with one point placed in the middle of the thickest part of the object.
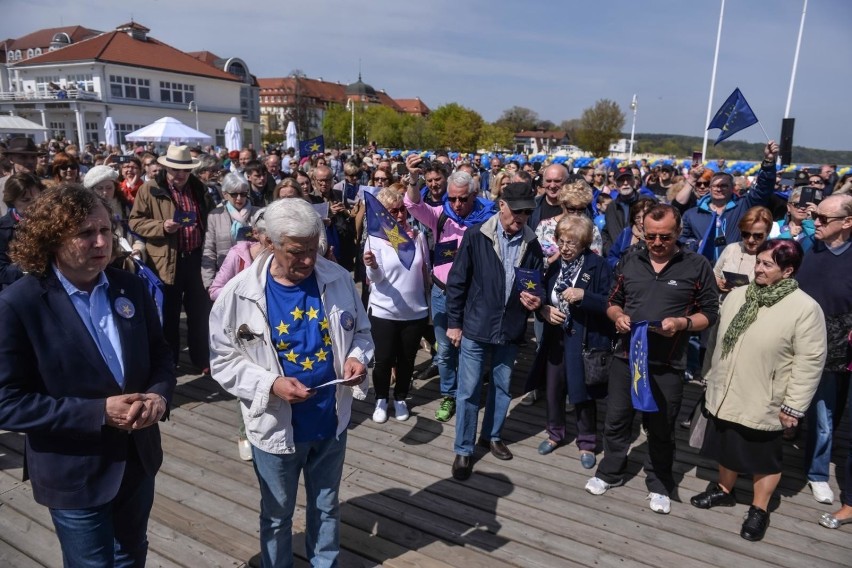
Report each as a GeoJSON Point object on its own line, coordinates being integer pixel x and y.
{"type": "Point", "coordinates": [742, 449]}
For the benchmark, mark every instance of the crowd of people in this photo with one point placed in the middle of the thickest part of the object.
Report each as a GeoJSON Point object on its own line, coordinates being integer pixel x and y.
{"type": "Point", "coordinates": [639, 274]}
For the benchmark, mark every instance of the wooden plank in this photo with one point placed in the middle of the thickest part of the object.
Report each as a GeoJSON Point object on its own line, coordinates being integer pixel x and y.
{"type": "Point", "coordinates": [11, 557]}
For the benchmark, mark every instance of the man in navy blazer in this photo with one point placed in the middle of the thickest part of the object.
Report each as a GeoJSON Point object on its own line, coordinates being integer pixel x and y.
{"type": "Point", "coordinates": [86, 373]}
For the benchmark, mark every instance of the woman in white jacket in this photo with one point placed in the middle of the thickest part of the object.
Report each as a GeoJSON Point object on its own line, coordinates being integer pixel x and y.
{"type": "Point", "coordinates": [398, 308]}
{"type": "Point", "coordinates": [226, 225]}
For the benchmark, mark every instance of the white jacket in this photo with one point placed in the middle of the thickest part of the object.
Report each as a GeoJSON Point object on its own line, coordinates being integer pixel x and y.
{"type": "Point", "coordinates": [247, 368]}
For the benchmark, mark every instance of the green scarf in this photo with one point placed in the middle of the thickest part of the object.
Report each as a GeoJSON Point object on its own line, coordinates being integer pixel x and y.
{"type": "Point", "coordinates": [756, 297]}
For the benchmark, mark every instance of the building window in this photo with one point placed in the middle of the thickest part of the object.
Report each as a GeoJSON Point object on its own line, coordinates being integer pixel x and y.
{"type": "Point", "coordinates": [123, 130]}
{"type": "Point", "coordinates": [58, 130]}
{"type": "Point", "coordinates": [220, 137]}
{"type": "Point", "coordinates": [250, 103]}
{"type": "Point", "coordinates": [37, 51]}
{"type": "Point", "coordinates": [84, 82]}
{"type": "Point", "coordinates": [129, 88]}
{"type": "Point", "coordinates": [43, 84]}
{"type": "Point", "coordinates": [92, 130]}
{"type": "Point", "coordinates": [30, 53]}
{"type": "Point", "coordinates": [180, 93]}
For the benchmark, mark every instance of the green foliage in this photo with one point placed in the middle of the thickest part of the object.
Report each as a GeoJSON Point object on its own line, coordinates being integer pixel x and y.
{"type": "Point", "coordinates": [494, 136]}
{"type": "Point", "coordinates": [518, 118]}
{"type": "Point", "coordinates": [456, 127]}
{"type": "Point", "coordinates": [336, 126]}
{"type": "Point", "coordinates": [600, 126]}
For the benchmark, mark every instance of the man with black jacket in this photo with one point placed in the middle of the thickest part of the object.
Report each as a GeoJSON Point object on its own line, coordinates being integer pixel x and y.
{"type": "Point", "coordinates": [487, 315]}
{"type": "Point", "coordinates": [618, 213]}
{"type": "Point", "coordinates": [675, 287]}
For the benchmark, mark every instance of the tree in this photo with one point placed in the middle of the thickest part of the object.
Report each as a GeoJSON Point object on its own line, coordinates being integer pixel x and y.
{"type": "Point", "coordinates": [384, 126]}
{"type": "Point", "coordinates": [545, 125]}
{"type": "Point", "coordinates": [600, 126]}
{"type": "Point", "coordinates": [336, 126]}
{"type": "Point", "coordinates": [518, 118]}
{"type": "Point", "coordinates": [301, 112]}
{"type": "Point", "coordinates": [456, 127]}
{"type": "Point", "coordinates": [417, 132]}
{"type": "Point", "coordinates": [570, 127]}
{"type": "Point", "coordinates": [494, 137]}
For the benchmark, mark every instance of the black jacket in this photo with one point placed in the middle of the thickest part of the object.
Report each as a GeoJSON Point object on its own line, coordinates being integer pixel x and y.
{"type": "Point", "coordinates": [476, 286]}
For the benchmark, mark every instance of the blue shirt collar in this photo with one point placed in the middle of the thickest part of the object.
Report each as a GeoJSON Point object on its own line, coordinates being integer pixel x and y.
{"type": "Point", "coordinates": [70, 289]}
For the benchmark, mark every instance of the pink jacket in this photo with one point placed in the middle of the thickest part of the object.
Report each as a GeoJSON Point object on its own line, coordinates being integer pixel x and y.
{"type": "Point", "coordinates": [237, 259]}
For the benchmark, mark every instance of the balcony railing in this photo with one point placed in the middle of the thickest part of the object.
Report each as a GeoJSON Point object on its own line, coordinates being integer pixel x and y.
{"type": "Point", "coordinates": [58, 95]}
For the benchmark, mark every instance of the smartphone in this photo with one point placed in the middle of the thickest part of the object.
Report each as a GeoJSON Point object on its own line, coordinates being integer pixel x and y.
{"type": "Point", "coordinates": [697, 159]}
{"type": "Point", "coordinates": [122, 159]}
{"type": "Point", "coordinates": [810, 195]}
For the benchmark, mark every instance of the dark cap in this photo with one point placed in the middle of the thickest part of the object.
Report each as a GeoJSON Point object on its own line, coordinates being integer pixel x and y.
{"type": "Point", "coordinates": [23, 146]}
{"type": "Point", "coordinates": [518, 196]}
{"type": "Point", "coordinates": [667, 168]}
{"type": "Point", "coordinates": [623, 172]}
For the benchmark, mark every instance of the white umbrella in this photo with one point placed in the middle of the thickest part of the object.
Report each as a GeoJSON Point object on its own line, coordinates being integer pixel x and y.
{"type": "Point", "coordinates": [170, 130]}
{"type": "Point", "coordinates": [292, 136]}
{"type": "Point", "coordinates": [110, 132]}
{"type": "Point", "coordinates": [233, 135]}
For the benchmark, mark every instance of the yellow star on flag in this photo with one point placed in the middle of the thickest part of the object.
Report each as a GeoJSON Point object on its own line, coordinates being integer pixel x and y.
{"type": "Point", "coordinates": [449, 253]}
{"type": "Point", "coordinates": [324, 323]}
{"type": "Point", "coordinates": [394, 238]}
{"type": "Point", "coordinates": [529, 284]}
{"type": "Point", "coordinates": [326, 339]}
{"type": "Point", "coordinates": [315, 147]}
{"type": "Point", "coordinates": [292, 356]}
{"type": "Point", "coordinates": [308, 364]}
{"type": "Point", "coordinates": [297, 313]}
{"type": "Point", "coordinates": [312, 313]}
{"type": "Point", "coordinates": [637, 376]}
{"type": "Point", "coordinates": [282, 328]}
{"type": "Point", "coordinates": [321, 355]}
{"type": "Point", "coordinates": [282, 345]}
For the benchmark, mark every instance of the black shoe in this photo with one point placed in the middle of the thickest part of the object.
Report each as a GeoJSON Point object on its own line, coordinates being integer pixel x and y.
{"type": "Point", "coordinates": [427, 373]}
{"type": "Point", "coordinates": [755, 524]}
{"type": "Point", "coordinates": [498, 449]}
{"type": "Point", "coordinates": [714, 497]}
{"type": "Point", "coordinates": [462, 467]}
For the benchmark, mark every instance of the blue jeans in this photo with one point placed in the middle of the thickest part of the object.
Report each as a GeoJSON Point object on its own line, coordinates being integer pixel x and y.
{"type": "Point", "coordinates": [472, 355]}
{"type": "Point", "coordinates": [278, 475]}
{"type": "Point", "coordinates": [113, 534]}
{"type": "Point", "coordinates": [820, 425]}
{"type": "Point", "coordinates": [447, 356]}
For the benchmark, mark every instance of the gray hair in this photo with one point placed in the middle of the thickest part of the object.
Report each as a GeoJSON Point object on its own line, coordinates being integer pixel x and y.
{"type": "Point", "coordinates": [292, 217]}
{"type": "Point", "coordinates": [205, 162]}
{"type": "Point", "coordinates": [388, 197]}
{"type": "Point", "coordinates": [461, 179]}
{"type": "Point", "coordinates": [234, 183]}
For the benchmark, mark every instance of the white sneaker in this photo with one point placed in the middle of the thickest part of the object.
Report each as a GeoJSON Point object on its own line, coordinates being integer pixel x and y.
{"type": "Point", "coordinates": [400, 410]}
{"type": "Point", "coordinates": [244, 448]}
{"type": "Point", "coordinates": [380, 415]}
{"type": "Point", "coordinates": [660, 503]}
{"type": "Point", "coordinates": [529, 398]}
{"type": "Point", "coordinates": [822, 492]}
{"type": "Point", "coordinates": [597, 486]}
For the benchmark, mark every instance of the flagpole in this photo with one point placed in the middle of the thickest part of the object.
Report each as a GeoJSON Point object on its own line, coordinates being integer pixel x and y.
{"type": "Point", "coordinates": [764, 131]}
{"type": "Point", "coordinates": [795, 61]}
{"type": "Point", "coordinates": [713, 77]}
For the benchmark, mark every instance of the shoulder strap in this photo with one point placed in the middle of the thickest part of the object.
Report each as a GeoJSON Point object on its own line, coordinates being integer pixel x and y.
{"type": "Point", "coordinates": [439, 228]}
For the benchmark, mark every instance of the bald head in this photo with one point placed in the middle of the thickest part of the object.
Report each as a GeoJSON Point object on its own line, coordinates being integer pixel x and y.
{"type": "Point", "coordinates": [554, 170]}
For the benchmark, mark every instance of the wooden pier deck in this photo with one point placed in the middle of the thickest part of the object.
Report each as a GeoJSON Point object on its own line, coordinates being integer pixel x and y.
{"type": "Point", "coordinates": [401, 507]}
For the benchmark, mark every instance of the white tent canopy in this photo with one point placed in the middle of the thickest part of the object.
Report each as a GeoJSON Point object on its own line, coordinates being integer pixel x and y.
{"type": "Point", "coordinates": [170, 130]}
{"type": "Point", "coordinates": [20, 125]}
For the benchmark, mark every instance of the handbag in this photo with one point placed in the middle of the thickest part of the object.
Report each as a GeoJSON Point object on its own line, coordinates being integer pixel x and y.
{"type": "Point", "coordinates": [698, 424]}
{"type": "Point", "coordinates": [596, 362]}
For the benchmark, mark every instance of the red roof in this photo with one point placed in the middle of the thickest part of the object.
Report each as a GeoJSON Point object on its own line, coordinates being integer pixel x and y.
{"type": "Point", "coordinates": [118, 47]}
{"type": "Point", "coordinates": [205, 56]}
{"type": "Point", "coordinates": [324, 92]}
{"type": "Point", "coordinates": [554, 134]}
{"type": "Point", "coordinates": [43, 38]}
{"type": "Point", "coordinates": [413, 106]}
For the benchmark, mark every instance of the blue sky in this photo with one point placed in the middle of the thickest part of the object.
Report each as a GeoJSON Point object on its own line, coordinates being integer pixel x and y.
{"type": "Point", "coordinates": [554, 57]}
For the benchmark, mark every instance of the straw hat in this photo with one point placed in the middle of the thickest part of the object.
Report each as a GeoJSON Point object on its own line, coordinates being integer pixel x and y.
{"type": "Point", "coordinates": [178, 158]}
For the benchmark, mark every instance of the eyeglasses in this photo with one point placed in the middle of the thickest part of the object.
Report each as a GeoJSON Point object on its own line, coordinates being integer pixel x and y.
{"type": "Point", "coordinates": [826, 219]}
{"type": "Point", "coordinates": [238, 194]}
{"type": "Point", "coordinates": [720, 186]}
{"type": "Point", "coordinates": [462, 199]}
{"type": "Point", "coordinates": [575, 210]}
{"type": "Point", "coordinates": [65, 167]}
{"type": "Point", "coordinates": [567, 244]}
{"type": "Point", "coordinates": [521, 211]}
{"type": "Point", "coordinates": [816, 182]}
{"type": "Point", "coordinates": [664, 238]}
{"type": "Point", "coordinates": [756, 236]}
{"type": "Point", "coordinates": [380, 179]}
{"type": "Point", "coordinates": [702, 184]}
{"type": "Point", "coordinates": [396, 210]}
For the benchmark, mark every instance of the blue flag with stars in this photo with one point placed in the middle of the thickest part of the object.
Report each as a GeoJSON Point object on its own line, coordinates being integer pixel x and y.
{"type": "Point", "coordinates": [733, 116]}
{"type": "Point", "coordinates": [380, 224]}
{"type": "Point", "coordinates": [640, 384]}
{"type": "Point", "coordinates": [312, 146]}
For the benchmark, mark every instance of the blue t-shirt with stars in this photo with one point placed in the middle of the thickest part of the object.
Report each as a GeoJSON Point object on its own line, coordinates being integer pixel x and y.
{"type": "Point", "coordinates": [301, 338]}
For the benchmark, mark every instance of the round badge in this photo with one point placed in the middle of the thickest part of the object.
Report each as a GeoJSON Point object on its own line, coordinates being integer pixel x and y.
{"type": "Point", "coordinates": [124, 307]}
{"type": "Point", "coordinates": [347, 321]}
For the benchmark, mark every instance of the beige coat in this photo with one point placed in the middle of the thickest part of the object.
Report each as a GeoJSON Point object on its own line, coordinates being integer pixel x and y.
{"type": "Point", "coordinates": [777, 361]}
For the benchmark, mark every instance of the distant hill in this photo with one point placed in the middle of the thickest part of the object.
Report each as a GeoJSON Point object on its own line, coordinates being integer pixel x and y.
{"type": "Point", "coordinates": [684, 146]}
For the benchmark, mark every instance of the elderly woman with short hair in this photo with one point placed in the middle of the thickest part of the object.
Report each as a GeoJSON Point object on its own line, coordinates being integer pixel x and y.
{"type": "Point", "coordinates": [797, 223]}
{"type": "Point", "coordinates": [226, 225]}
{"type": "Point", "coordinates": [574, 198]}
{"type": "Point", "coordinates": [207, 171]}
{"type": "Point", "coordinates": [576, 287]}
{"type": "Point", "coordinates": [398, 308]}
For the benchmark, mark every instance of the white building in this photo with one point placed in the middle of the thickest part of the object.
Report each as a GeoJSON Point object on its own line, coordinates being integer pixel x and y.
{"type": "Point", "coordinates": [135, 79]}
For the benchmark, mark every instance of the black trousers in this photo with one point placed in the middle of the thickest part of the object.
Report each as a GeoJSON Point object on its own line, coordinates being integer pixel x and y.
{"type": "Point", "coordinates": [667, 387]}
{"type": "Point", "coordinates": [188, 293]}
{"type": "Point", "coordinates": [396, 343]}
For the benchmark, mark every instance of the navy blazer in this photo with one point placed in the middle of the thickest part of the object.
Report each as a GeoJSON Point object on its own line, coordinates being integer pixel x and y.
{"type": "Point", "coordinates": [54, 382]}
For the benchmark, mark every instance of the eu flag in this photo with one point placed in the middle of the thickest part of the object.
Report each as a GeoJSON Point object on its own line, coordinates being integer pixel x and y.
{"type": "Point", "coordinates": [312, 146]}
{"type": "Point", "coordinates": [733, 116]}
{"type": "Point", "coordinates": [640, 385]}
{"type": "Point", "coordinates": [380, 224]}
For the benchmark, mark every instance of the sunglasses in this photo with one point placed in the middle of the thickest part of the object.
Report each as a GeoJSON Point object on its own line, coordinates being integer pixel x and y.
{"type": "Point", "coordinates": [462, 199]}
{"type": "Point", "coordinates": [826, 219]}
{"type": "Point", "coordinates": [575, 210]}
{"type": "Point", "coordinates": [756, 236]}
{"type": "Point", "coordinates": [521, 211]}
{"type": "Point", "coordinates": [702, 184]}
{"type": "Point", "coordinates": [238, 194]}
{"type": "Point", "coordinates": [396, 210]}
{"type": "Point", "coordinates": [65, 167]}
{"type": "Point", "coordinates": [664, 238]}
{"type": "Point", "coordinates": [380, 179]}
